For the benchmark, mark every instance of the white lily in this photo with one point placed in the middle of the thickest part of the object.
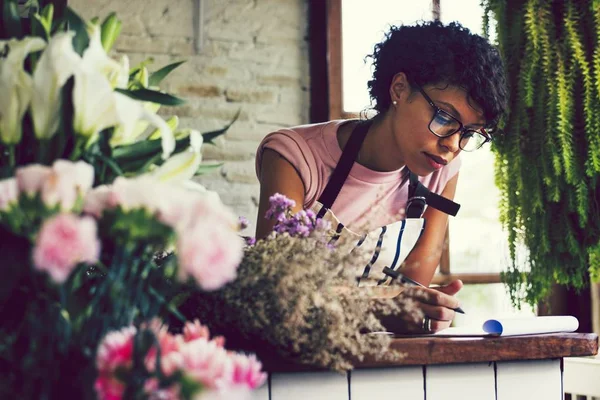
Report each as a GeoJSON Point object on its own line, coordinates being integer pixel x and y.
{"type": "Point", "coordinates": [121, 79]}
{"type": "Point", "coordinates": [15, 86]}
{"type": "Point", "coordinates": [182, 166]}
{"type": "Point", "coordinates": [122, 137]}
{"type": "Point", "coordinates": [57, 64]}
{"type": "Point", "coordinates": [94, 103]}
{"type": "Point", "coordinates": [130, 111]}
{"type": "Point", "coordinates": [95, 57]}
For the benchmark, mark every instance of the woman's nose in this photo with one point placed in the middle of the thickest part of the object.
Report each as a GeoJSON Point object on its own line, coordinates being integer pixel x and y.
{"type": "Point", "coordinates": [451, 142]}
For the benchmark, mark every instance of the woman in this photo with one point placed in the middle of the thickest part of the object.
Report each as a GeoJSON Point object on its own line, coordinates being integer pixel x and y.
{"type": "Point", "coordinates": [438, 90]}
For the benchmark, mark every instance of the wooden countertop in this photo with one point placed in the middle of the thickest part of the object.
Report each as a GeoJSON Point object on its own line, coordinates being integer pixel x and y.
{"type": "Point", "coordinates": [428, 350]}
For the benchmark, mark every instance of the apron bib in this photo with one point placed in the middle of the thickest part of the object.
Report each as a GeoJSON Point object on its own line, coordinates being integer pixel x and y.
{"type": "Point", "coordinates": [389, 245]}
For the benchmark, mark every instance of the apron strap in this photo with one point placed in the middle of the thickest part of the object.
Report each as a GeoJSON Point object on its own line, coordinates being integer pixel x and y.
{"type": "Point", "coordinates": [419, 196]}
{"type": "Point", "coordinates": [342, 169]}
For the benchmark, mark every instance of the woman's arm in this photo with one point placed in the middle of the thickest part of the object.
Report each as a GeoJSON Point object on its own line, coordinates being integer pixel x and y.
{"type": "Point", "coordinates": [277, 175]}
{"type": "Point", "coordinates": [422, 261]}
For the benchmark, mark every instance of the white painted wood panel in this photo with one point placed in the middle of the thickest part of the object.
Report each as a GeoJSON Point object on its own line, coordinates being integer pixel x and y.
{"type": "Point", "coordinates": [309, 386]}
{"type": "Point", "coordinates": [529, 380]}
{"type": "Point", "coordinates": [404, 383]}
{"type": "Point", "coordinates": [460, 382]}
{"type": "Point", "coordinates": [582, 376]}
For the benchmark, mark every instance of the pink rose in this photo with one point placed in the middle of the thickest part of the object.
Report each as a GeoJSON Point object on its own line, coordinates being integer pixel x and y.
{"type": "Point", "coordinates": [210, 253]}
{"type": "Point", "coordinates": [31, 178]}
{"type": "Point", "coordinates": [9, 193]}
{"type": "Point", "coordinates": [63, 242]}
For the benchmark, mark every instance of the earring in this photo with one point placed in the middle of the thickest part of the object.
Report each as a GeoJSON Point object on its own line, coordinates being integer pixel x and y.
{"type": "Point", "coordinates": [394, 102]}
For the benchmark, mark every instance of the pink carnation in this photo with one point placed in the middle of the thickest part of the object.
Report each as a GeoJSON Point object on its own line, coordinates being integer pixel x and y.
{"type": "Point", "coordinates": [247, 371]}
{"type": "Point", "coordinates": [61, 184]}
{"type": "Point", "coordinates": [63, 242]}
{"type": "Point", "coordinates": [207, 363]}
{"type": "Point", "coordinates": [31, 178]}
{"type": "Point", "coordinates": [154, 392]}
{"type": "Point", "coordinates": [9, 193]}
{"type": "Point", "coordinates": [67, 183]}
{"type": "Point", "coordinates": [210, 253]}
{"type": "Point", "coordinates": [195, 330]}
{"type": "Point", "coordinates": [115, 351]}
{"type": "Point", "coordinates": [169, 351]}
{"type": "Point", "coordinates": [96, 201]}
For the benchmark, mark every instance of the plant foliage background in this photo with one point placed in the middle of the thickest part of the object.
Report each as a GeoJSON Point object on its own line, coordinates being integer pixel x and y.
{"type": "Point", "coordinates": [548, 161]}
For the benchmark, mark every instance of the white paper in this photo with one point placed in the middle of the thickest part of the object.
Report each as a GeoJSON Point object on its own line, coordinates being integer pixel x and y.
{"type": "Point", "coordinates": [515, 326]}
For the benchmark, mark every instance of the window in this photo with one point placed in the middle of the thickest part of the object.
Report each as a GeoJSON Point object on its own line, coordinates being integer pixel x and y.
{"type": "Point", "coordinates": [354, 29]}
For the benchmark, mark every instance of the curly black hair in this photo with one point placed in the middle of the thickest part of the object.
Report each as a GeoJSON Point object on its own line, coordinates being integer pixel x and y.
{"type": "Point", "coordinates": [434, 53]}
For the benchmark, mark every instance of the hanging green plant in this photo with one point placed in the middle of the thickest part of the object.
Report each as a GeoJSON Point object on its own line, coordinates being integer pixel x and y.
{"type": "Point", "coordinates": [548, 162]}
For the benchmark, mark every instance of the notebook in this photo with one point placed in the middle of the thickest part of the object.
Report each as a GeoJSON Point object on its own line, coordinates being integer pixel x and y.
{"type": "Point", "coordinates": [514, 326]}
{"type": "Point", "coordinates": [510, 326]}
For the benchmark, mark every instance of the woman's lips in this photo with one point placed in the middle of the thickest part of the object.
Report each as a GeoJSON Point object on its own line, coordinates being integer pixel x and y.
{"type": "Point", "coordinates": [435, 161]}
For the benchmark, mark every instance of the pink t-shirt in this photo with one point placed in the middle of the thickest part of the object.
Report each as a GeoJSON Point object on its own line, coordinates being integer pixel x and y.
{"type": "Point", "coordinates": [368, 199]}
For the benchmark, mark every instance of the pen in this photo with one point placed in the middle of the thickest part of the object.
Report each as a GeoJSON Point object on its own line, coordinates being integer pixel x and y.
{"type": "Point", "coordinates": [406, 280]}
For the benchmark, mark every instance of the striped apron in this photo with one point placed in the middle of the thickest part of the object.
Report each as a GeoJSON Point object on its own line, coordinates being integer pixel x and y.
{"type": "Point", "coordinates": [388, 246]}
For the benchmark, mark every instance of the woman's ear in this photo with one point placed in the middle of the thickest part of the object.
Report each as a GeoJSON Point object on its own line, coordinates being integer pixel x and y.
{"type": "Point", "coordinates": [399, 88]}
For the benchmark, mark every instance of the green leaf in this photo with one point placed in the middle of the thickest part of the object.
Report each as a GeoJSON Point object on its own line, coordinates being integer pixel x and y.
{"type": "Point", "coordinates": [152, 96]}
{"type": "Point", "coordinates": [205, 168]}
{"type": "Point", "coordinates": [209, 136]}
{"type": "Point", "coordinates": [110, 30]}
{"type": "Point", "coordinates": [38, 29]}
{"type": "Point", "coordinates": [142, 166]}
{"type": "Point", "coordinates": [45, 20]}
{"type": "Point", "coordinates": [76, 24]}
{"type": "Point", "coordinates": [157, 76]}
{"type": "Point", "coordinates": [141, 65]}
{"type": "Point", "coordinates": [11, 21]}
{"type": "Point", "coordinates": [137, 150]}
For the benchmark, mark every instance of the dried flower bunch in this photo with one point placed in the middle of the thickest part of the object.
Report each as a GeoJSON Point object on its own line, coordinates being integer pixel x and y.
{"type": "Point", "coordinates": [294, 300]}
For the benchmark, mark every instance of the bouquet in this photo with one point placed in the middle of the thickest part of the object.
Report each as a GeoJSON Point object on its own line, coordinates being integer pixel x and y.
{"type": "Point", "coordinates": [99, 224]}
{"type": "Point", "coordinates": [295, 301]}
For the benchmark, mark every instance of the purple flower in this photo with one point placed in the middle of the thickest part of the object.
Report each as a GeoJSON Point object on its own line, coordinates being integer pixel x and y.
{"type": "Point", "coordinates": [280, 205]}
{"type": "Point", "coordinates": [243, 221]}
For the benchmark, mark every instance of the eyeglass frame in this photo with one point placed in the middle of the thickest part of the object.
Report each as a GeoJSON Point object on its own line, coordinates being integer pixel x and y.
{"type": "Point", "coordinates": [462, 129]}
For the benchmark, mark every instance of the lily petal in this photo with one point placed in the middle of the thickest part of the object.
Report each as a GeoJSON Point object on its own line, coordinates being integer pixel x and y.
{"type": "Point", "coordinates": [94, 57]}
{"type": "Point", "coordinates": [94, 103]}
{"type": "Point", "coordinates": [15, 86]}
{"type": "Point", "coordinates": [131, 111]}
{"type": "Point", "coordinates": [182, 166]}
{"type": "Point", "coordinates": [57, 64]}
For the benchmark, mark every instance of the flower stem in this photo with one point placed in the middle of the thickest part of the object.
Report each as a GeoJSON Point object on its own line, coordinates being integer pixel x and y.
{"type": "Point", "coordinates": [12, 162]}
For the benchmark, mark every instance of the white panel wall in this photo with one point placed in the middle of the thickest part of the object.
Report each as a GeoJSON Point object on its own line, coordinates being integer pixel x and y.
{"type": "Point", "coordinates": [461, 382]}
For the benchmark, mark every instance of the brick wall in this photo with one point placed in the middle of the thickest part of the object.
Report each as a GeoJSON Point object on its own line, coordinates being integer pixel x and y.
{"type": "Point", "coordinates": [254, 58]}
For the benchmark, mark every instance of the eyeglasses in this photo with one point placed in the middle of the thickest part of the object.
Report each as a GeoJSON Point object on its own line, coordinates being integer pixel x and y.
{"type": "Point", "coordinates": [444, 124]}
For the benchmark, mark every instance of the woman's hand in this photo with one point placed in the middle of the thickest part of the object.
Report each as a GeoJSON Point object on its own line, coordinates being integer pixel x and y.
{"type": "Point", "coordinates": [436, 304]}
